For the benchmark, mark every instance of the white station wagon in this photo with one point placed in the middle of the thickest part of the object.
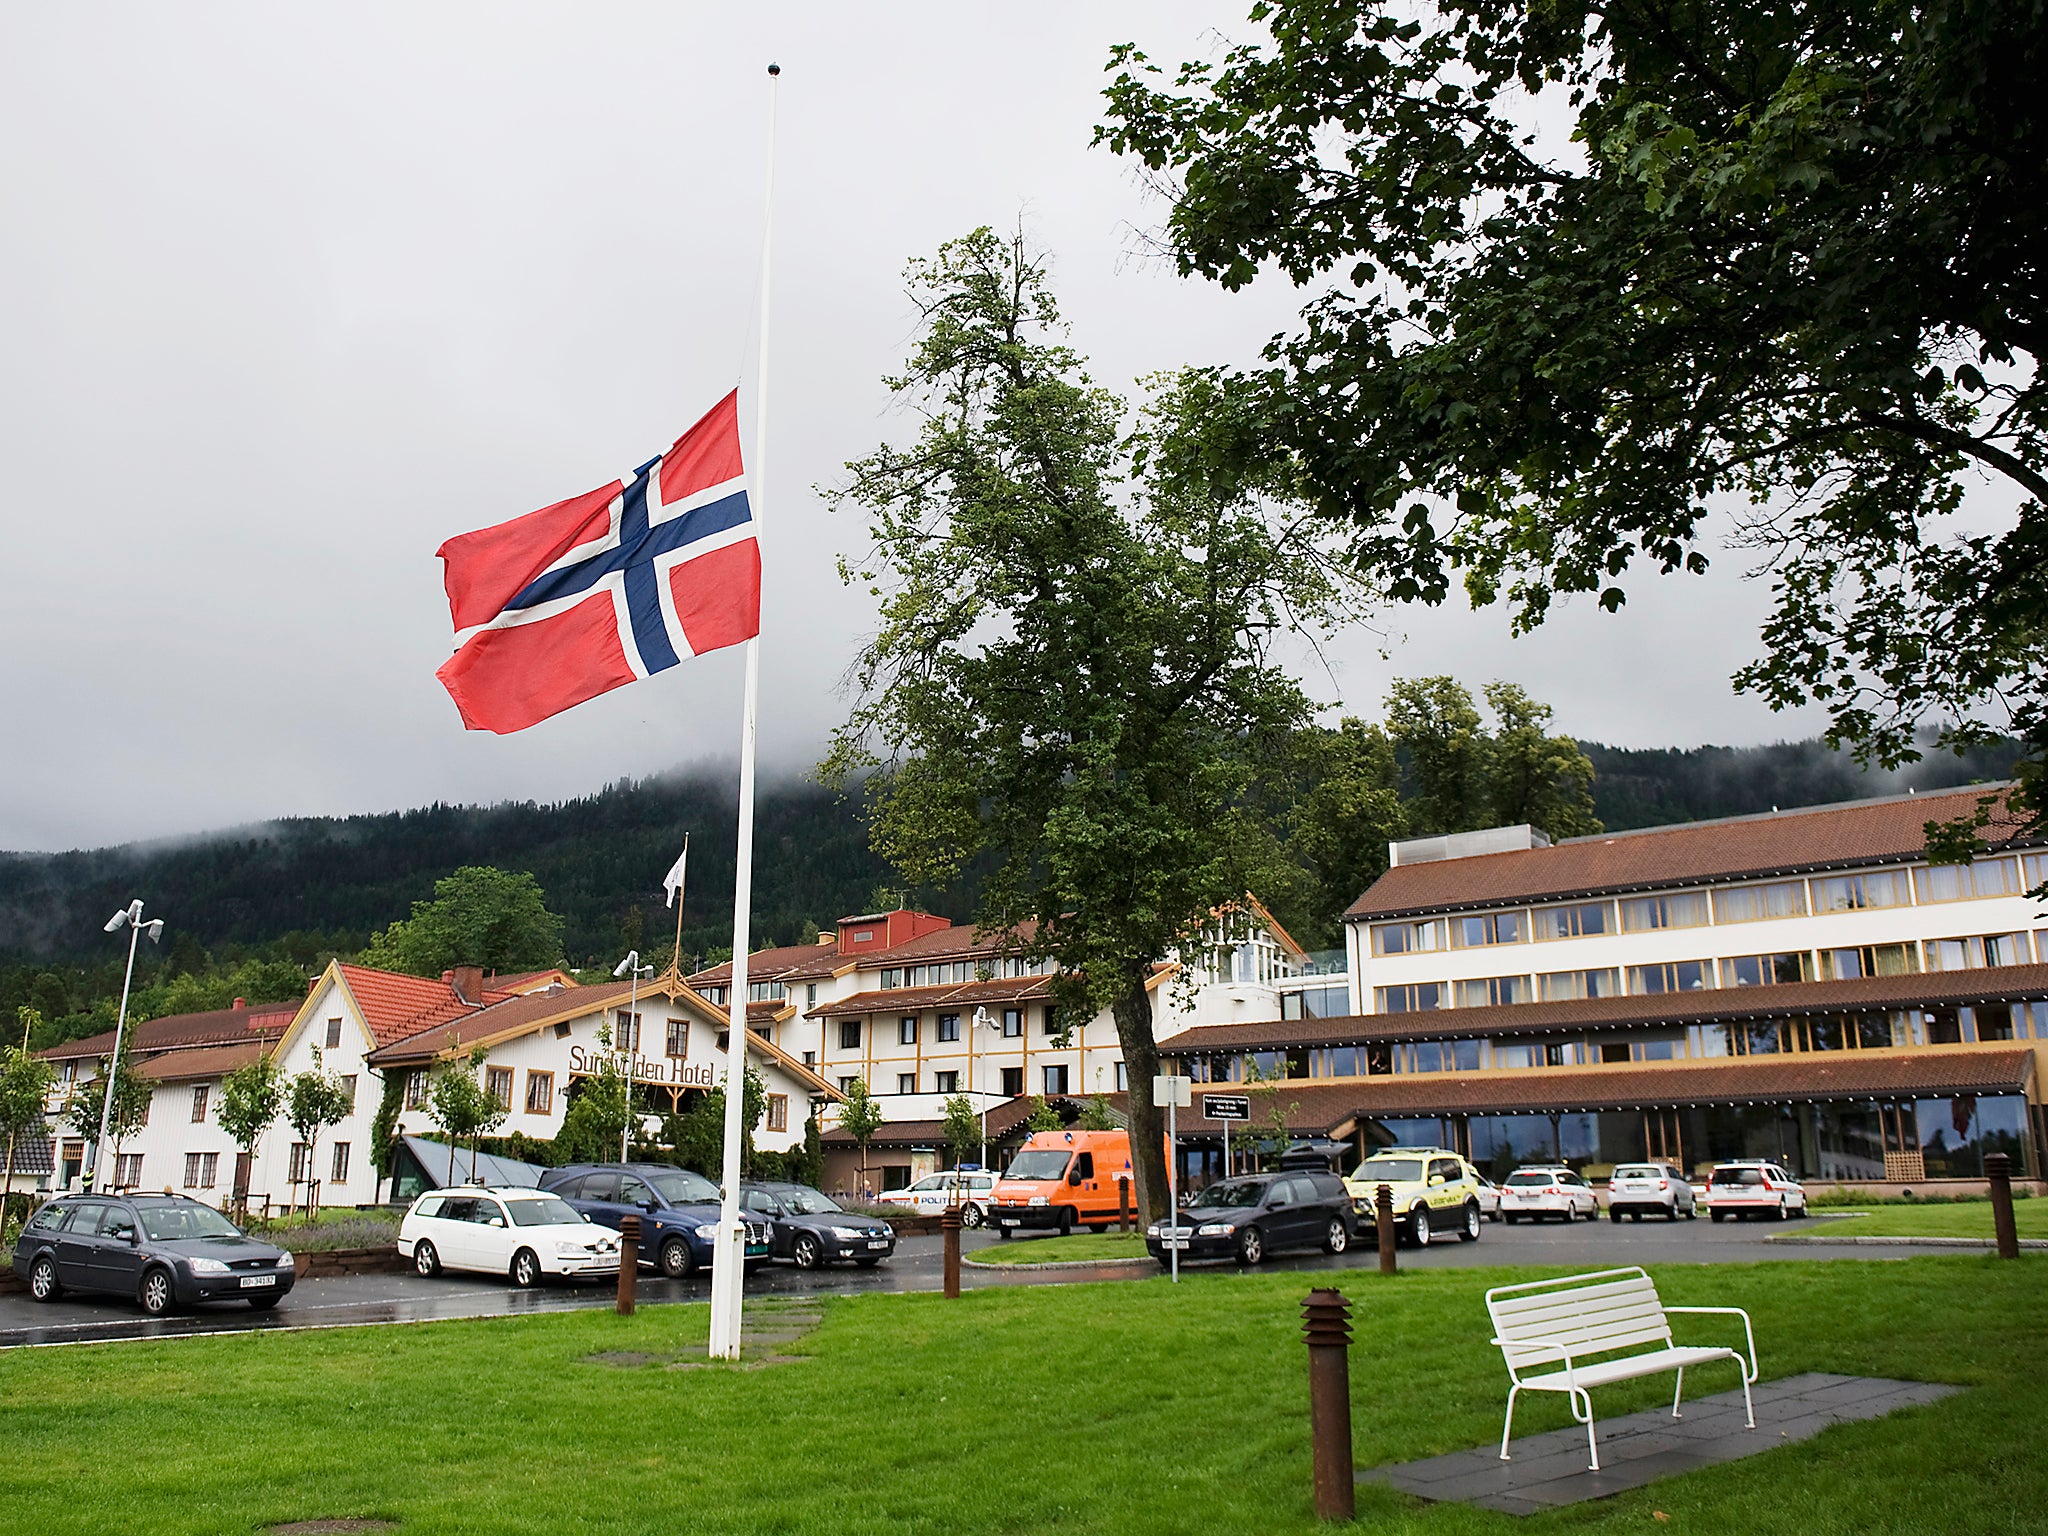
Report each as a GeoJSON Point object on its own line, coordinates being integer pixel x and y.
{"type": "Point", "coordinates": [523, 1234]}
{"type": "Point", "coordinates": [1547, 1190]}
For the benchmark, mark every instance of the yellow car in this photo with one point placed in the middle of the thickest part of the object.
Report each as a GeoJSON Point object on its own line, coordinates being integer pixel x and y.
{"type": "Point", "coordinates": [1435, 1192]}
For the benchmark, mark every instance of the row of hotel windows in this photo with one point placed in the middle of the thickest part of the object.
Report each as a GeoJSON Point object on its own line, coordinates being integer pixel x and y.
{"type": "Point", "coordinates": [1727, 904]}
{"type": "Point", "coordinates": [202, 1169]}
{"type": "Point", "coordinates": [960, 972]}
{"type": "Point", "coordinates": [540, 1093]}
{"type": "Point", "coordinates": [1054, 1081]}
{"type": "Point", "coordinates": [1970, 953]}
{"type": "Point", "coordinates": [202, 1096]}
{"type": "Point", "coordinates": [908, 1029]}
{"type": "Point", "coordinates": [1985, 1023]}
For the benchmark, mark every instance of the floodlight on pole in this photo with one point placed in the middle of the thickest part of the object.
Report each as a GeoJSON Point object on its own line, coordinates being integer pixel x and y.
{"type": "Point", "coordinates": [631, 1045]}
{"type": "Point", "coordinates": [129, 917]}
{"type": "Point", "coordinates": [981, 1021]}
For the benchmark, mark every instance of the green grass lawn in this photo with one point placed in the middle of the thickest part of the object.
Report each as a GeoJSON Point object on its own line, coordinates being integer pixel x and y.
{"type": "Point", "coordinates": [1064, 1250]}
{"type": "Point", "coordinates": [1134, 1407]}
{"type": "Point", "coordinates": [1963, 1218]}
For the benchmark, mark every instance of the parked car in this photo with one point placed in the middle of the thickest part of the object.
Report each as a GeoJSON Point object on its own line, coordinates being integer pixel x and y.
{"type": "Point", "coordinates": [1754, 1188]}
{"type": "Point", "coordinates": [1547, 1190]}
{"type": "Point", "coordinates": [1488, 1194]}
{"type": "Point", "coordinates": [524, 1234]}
{"type": "Point", "coordinates": [810, 1230]}
{"type": "Point", "coordinates": [974, 1190]}
{"type": "Point", "coordinates": [1250, 1216]}
{"type": "Point", "coordinates": [678, 1210]}
{"type": "Point", "coordinates": [1637, 1190]}
{"type": "Point", "coordinates": [1063, 1179]}
{"type": "Point", "coordinates": [1434, 1190]}
{"type": "Point", "coordinates": [166, 1251]}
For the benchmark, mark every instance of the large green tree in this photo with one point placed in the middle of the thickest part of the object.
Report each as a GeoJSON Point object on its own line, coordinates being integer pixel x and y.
{"type": "Point", "coordinates": [478, 916]}
{"type": "Point", "coordinates": [314, 1100]}
{"type": "Point", "coordinates": [1073, 684]}
{"type": "Point", "coordinates": [1580, 275]}
{"type": "Point", "coordinates": [25, 1083]}
{"type": "Point", "coordinates": [251, 1099]}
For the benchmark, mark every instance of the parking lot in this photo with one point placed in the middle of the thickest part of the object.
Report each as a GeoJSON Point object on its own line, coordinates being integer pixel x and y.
{"type": "Point", "coordinates": [353, 1300]}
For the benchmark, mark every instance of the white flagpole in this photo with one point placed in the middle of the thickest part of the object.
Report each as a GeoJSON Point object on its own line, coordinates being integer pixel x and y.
{"type": "Point", "coordinates": [729, 1256]}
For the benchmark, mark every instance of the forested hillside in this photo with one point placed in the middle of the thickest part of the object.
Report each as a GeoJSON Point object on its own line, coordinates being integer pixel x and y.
{"type": "Point", "coordinates": [253, 910]}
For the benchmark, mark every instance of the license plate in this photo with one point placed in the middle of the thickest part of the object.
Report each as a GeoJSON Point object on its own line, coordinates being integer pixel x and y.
{"type": "Point", "coordinates": [878, 1242]}
{"type": "Point", "coordinates": [1174, 1242]}
{"type": "Point", "coordinates": [754, 1249]}
{"type": "Point", "coordinates": [1011, 1221]}
{"type": "Point", "coordinates": [257, 1282]}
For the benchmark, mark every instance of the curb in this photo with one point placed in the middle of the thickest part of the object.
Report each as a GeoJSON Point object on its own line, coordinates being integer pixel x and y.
{"type": "Point", "coordinates": [1906, 1242]}
{"type": "Point", "coordinates": [1060, 1263]}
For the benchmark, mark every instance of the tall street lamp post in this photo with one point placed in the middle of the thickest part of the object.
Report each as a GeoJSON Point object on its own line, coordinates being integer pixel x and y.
{"type": "Point", "coordinates": [632, 1041]}
{"type": "Point", "coordinates": [980, 1022]}
{"type": "Point", "coordinates": [129, 917]}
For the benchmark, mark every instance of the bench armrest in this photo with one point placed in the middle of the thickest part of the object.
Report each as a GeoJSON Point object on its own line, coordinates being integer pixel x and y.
{"type": "Point", "coordinates": [1542, 1353]}
{"type": "Point", "coordinates": [1749, 1332]}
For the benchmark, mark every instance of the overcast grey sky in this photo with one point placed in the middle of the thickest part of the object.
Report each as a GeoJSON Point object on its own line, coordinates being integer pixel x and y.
{"type": "Point", "coordinates": [290, 294]}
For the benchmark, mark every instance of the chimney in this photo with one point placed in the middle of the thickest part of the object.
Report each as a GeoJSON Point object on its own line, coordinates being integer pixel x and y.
{"type": "Point", "coordinates": [241, 1005]}
{"type": "Point", "coordinates": [467, 982]}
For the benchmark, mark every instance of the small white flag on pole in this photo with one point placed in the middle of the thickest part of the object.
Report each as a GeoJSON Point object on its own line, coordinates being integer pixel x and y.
{"type": "Point", "coordinates": [672, 882]}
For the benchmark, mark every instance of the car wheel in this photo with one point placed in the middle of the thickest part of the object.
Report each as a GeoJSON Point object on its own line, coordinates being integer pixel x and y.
{"type": "Point", "coordinates": [1570, 1213]}
{"type": "Point", "coordinates": [1614, 1214]}
{"type": "Point", "coordinates": [1510, 1220]}
{"type": "Point", "coordinates": [674, 1259]}
{"type": "Point", "coordinates": [42, 1280]}
{"type": "Point", "coordinates": [807, 1252]}
{"type": "Point", "coordinates": [525, 1269]}
{"type": "Point", "coordinates": [1251, 1246]}
{"type": "Point", "coordinates": [424, 1260]}
{"type": "Point", "coordinates": [1671, 1211]}
{"type": "Point", "coordinates": [263, 1303]}
{"type": "Point", "coordinates": [1784, 1212]}
{"type": "Point", "coordinates": [1635, 1215]}
{"type": "Point", "coordinates": [1418, 1226]}
{"type": "Point", "coordinates": [1337, 1237]}
{"type": "Point", "coordinates": [1471, 1232]}
{"type": "Point", "coordinates": [1718, 1215]}
{"type": "Point", "coordinates": [1066, 1220]}
{"type": "Point", "coordinates": [158, 1296]}
{"type": "Point", "coordinates": [1692, 1212]}
{"type": "Point", "coordinates": [971, 1215]}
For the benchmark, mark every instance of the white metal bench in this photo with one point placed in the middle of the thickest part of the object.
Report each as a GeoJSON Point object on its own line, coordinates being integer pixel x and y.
{"type": "Point", "coordinates": [1582, 1322]}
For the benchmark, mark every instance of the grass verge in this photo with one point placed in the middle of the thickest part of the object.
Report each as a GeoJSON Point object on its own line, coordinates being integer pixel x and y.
{"type": "Point", "coordinates": [1081, 1248]}
{"type": "Point", "coordinates": [1129, 1408]}
{"type": "Point", "coordinates": [1961, 1219]}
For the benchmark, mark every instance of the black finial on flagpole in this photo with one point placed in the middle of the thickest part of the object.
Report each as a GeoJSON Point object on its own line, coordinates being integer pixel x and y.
{"type": "Point", "coordinates": [774, 69]}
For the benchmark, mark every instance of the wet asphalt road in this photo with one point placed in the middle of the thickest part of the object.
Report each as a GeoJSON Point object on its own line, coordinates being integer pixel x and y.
{"type": "Point", "coordinates": [354, 1300]}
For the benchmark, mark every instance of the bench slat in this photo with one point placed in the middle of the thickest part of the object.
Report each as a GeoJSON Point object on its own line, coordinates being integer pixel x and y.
{"type": "Point", "coordinates": [1613, 1317]}
{"type": "Point", "coordinates": [1585, 1295]}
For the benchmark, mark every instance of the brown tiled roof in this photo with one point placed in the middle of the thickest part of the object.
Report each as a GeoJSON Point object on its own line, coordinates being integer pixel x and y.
{"type": "Point", "coordinates": [769, 964]}
{"type": "Point", "coordinates": [1931, 989]}
{"type": "Point", "coordinates": [964, 994]}
{"type": "Point", "coordinates": [201, 1061]}
{"type": "Point", "coordinates": [1738, 848]}
{"type": "Point", "coordinates": [217, 1027]}
{"type": "Point", "coordinates": [500, 1018]}
{"type": "Point", "coordinates": [1329, 1107]}
{"type": "Point", "coordinates": [958, 942]}
{"type": "Point", "coordinates": [1002, 1119]}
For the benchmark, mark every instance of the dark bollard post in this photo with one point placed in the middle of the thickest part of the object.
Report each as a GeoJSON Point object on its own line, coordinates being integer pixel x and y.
{"type": "Point", "coordinates": [629, 1262]}
{"type": "Point", "coordinates": [1123, 1205]}
{"type": "Point", "coordinates": [1383, 1226]}
{"type": "Point", "coordinates": [1326, 1325]}
{"type": "Point", "coordinates": [949, 1223]}
{"type": "Point", "coordinates": [1998, 1169]}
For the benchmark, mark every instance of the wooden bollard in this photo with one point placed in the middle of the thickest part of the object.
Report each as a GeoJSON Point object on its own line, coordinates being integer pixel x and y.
{"type": "Point", "coordinates": [1123, 1205]}
{"type": "Point", "coordinates": [1383, 1226]}
{"type": "Point", "coordinates": [1326, 1325]}
{"type": "Point", "coordinates": [949, 1224]}
{"type": "Point", "coordinates": [629, 1262]}
{"type": "Point", "coordinates": [1998, 1170]}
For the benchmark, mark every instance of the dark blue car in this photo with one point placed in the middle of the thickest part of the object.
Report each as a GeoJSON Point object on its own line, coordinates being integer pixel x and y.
{"type": "Point", "coordinates": [678, 1210]}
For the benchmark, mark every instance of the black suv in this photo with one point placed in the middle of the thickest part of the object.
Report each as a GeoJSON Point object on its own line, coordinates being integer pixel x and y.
{"type": "Point", "coordinates": [811, 1230]}
{"type": "Point", "coordinates": [678, 1210]}
{"type": "Point", "coordinates": [167, 1251]}
{"type": "Point", "coordinates": [1248, 1217]}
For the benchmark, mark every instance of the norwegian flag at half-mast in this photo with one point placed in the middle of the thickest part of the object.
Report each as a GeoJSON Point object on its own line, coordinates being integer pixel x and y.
{"type": "Point", "coordinates": [601, 590]}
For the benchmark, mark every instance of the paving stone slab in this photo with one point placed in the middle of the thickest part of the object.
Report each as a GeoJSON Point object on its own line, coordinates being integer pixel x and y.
{"type": "Point", "coordinates": [1549, 1471]}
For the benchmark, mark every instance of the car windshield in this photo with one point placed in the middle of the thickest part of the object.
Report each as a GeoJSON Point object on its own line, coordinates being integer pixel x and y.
{"type": "Point", "coordinates": [1390, 1170]}
{"type": "Point", "coordinates": [679, 1186]}
{"type": "Point", "coordinates": [549, 1212]}
{"type": "Point", "coordinates": [170, 1223]}
{"type": "Point", "coordinates": [802, 1200]}
{"type": "Point", "coordinates": [929, 1181]}
{"type": "Point", "coordinates": [1037, 1163]}
{"type": "Point", "coordinates": [1738, 1175]}
{"type": "Point", "coordinates": [1532, 1176]}
{"type": "Point", "coordinates": [1232, 1194]}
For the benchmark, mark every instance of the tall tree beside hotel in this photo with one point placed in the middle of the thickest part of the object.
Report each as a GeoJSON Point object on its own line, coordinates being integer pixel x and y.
{"type": "Point", "coordinates": [460, 1104]}
{"type": "Point", "coordinates": [478, 916]}
{"type": "Point", "coordinates": [251, 1099]}
{"type": "Point", "coordinates": [314, 1100]}
{"type": "Point", "coordinates": [1074, 682]}
{"type": "Point", "coordinates": [125, 1112]}
{"type": "Point", "coordinates": [25, 1083]}
{"type": "Point", "coordinates": [1577, 276]}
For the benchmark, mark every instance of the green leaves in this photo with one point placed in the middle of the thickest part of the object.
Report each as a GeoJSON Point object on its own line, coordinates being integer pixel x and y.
{"type": "Point", "coordinates": [479, 916]}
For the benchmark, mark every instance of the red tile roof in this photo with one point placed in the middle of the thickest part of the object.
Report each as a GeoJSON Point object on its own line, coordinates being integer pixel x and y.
{"type": "Point", "coordinates": [769, 964]}
{"type": "Point", "coordinates": [1738, 848]}
{"type": "Point", "coordinates": [1330, 1107]}
{"type": "Point", "coordinates": [396, 1006]}
{"type": "Point", "coordinates": [200, 1061]}
{"type": "Point", "coordinates": [1933, 989]}
{"type": "Point", "coordinates": [472, 1025]}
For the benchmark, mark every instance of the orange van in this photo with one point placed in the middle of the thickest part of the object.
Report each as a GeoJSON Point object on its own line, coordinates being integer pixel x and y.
{"type": "Point", "coordinates": [1063, 1179]}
